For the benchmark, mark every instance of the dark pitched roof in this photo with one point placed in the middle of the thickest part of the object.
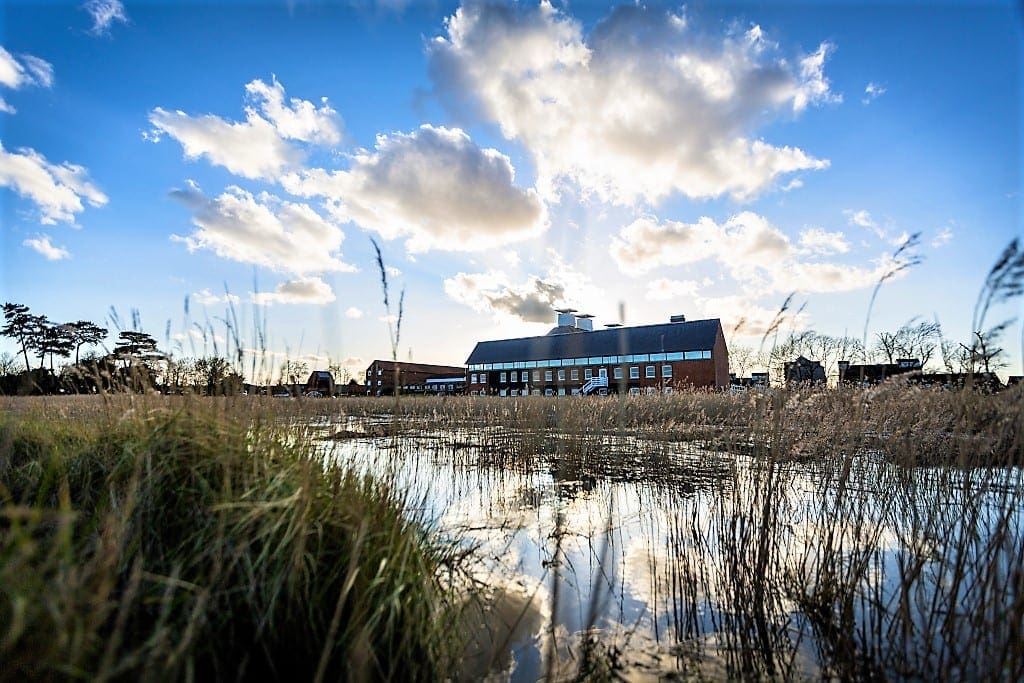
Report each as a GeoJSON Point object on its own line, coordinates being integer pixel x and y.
{"type": "Point", "coordinates": [696, 335]}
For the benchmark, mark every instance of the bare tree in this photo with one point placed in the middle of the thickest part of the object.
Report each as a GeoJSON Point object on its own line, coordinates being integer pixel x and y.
{"type": "Point", "coordinates": [8, 364]}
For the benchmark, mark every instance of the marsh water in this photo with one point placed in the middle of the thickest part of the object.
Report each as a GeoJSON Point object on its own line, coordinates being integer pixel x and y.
{"type": "Point", "coordinates": [655, 558]}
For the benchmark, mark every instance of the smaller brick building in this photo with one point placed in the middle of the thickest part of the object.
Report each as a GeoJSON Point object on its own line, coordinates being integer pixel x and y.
{"type": "Point", "coordinates": [384, 375]}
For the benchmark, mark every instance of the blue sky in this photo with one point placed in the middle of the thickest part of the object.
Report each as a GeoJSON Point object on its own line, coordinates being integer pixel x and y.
{"type": "Point", "coordinates": [695, 159]}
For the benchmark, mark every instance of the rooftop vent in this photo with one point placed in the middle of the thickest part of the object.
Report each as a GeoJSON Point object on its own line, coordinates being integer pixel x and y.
{"type": "Point", "coordinates": [566, 317]}
{"type": "Point", "coordinates": [613, 324]}
{"type": "Point", "coordinates": [677, 319]}
{"type": "Point", "coordinates": [584, 321]}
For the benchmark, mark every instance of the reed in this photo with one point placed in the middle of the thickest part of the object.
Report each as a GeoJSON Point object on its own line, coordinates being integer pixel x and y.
{"type": "Point", "coordinates": [151, 539]}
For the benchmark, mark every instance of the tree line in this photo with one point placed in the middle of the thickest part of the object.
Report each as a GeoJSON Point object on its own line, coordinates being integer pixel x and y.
{"type": "Point", "coordinates": [916, 339]}
{"type": "Point", "coordinates": [134, 363]}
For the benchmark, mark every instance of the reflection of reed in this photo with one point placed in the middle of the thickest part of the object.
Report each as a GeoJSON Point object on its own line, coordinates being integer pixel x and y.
{"type": "Point", "coordinates": [840, 534]}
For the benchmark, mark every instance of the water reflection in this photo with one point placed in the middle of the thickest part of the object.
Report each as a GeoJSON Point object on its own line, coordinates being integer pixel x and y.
{"type": "Point", "coordinates": [654, 557]}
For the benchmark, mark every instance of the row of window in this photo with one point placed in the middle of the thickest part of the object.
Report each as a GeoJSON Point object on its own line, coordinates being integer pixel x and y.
{"type": "Point", "coordinates": [635, 391]}
{"type": "Point", "coordinates": [595, 360]}
{"type": "Point", "coordinates": [574, 374]}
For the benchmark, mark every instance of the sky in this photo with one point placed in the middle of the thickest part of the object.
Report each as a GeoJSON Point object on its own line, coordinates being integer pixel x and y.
{"type": "Point", "coordinates": [208, 171]}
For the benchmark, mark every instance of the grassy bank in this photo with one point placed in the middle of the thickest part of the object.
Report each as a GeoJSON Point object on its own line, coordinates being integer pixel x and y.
{"type": "Point", "coordinates": [205, 540]}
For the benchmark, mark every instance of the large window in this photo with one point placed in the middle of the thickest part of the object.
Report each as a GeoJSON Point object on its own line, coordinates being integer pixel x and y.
{"type": "Point", "coordinates": [649, 372]}
{"type": "Point", "coordinates": [617, 372]}
{"type": "Point", "coordinates": [666, 370]}
{"type": "Point", "coordinates": [515, 376]}
{"type": "Point", "coordinates": [547, 375]}
{"type": "Point", "coordinates": [588, 373]}
{"type": "Point", "coordinates": [574, 373]}
{"type": "Point", "coordinates": [483, 378]}
{"type": "Point", "coordinates": [472, 379]}
{"type": "Point", "coordinates": [536, 375]}
{"type": "Point", "coordinates": [561, 375]}
{"type": "Point", "coordinates": [503, 378]}
{"type": "Point", "coordinates": [634, 372]}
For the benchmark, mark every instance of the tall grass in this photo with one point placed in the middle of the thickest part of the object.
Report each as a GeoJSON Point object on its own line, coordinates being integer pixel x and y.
{"type": "Point", "coordinates": [165, 539]}
{"type": "Point", "coordinates": [848, 533]}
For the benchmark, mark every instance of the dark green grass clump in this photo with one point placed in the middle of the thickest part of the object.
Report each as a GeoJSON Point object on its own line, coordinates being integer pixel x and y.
{"type": "Point", "coordinates": [188, 543]}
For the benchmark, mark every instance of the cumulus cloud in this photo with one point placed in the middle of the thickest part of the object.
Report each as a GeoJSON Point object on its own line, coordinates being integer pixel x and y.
{"type": "Point", "coordinates": [258, 147]}
{"type": "Point", "coordinates": [872, 91]}
{"type": "Point", "coordinates": [638, 109]}
{"type": "Point", "coordinates": [43, 245]}
{"type": "Point", "coordinates": [746, 245]}
{"type": "Point", "coordinates": [648, 243]}
{"type": "Point", "coordinates": [354, 313]}
{"type": "Point", "coordinates": [433, 186]}
{"type": "Point", "coordinates": [531, 301]}
{"type": "Point", "coordinates": [104, 13]}
{"type": "Point", "coordinates": [57, 190]}
{"type": "Point", "coordinates": [207, 298]}
{"type": "Point", "coordinates": [665, 289]}
{"type": "Point", "coordinates": [263, 230]}
{"type": "Point", "coordinates": [311, 290]}
{"type": "Point", "coordinates": [819, 241]}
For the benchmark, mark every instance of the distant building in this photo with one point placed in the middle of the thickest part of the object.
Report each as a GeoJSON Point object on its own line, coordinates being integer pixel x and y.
{"type": "Point", "coordinates": [804, 370]}
{"type": "Point", "coordinates": [756, 380]}
{"type": "Point", "coordinates": [446, 386]}
{"type": "Point", "coordinates": [573, 358]}
{"type": "Point", "coordinates": [979, 381]}
{"type": "Point", "coordinates": [322, 381]}
{"type": "Point", "coordinates": [353, 388]}
{"type": "Point", "coordinates": [875, 373]}
{"type": "Point", "coordinates": [411, 378]}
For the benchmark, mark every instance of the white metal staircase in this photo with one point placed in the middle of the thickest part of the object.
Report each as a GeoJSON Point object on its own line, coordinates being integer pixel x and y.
{"type": "Point", "coordinates": [593, 384]}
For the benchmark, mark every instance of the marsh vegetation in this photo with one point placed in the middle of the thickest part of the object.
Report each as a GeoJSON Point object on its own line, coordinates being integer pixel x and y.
{"type": "Point", "coordinates": [840, 533]}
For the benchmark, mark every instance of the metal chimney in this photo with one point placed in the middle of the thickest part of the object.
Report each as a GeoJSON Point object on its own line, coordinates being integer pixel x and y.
{"type": "Point", "coordinates": [566, 317]}
{"type": "Point", "coordinates": [584, 321]}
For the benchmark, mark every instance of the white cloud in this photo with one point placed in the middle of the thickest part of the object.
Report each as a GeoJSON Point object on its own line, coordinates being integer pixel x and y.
{"type": "Point", "coordinates": [746, 245]}
{"type": "Point", "coordinates": [819, 241]}
{"type": "Point", "coordinates": [56, 190]}
{"type": "Point", "coordinates": [433, 186]}
{"type": "Point", "coordinates": [859, 218]}
{"type": "Point", "coordinates": [943, 238]}
{"type": "Point", "coordinates": [263, 230]}
{"type": "Point", "coordinates": [743, 316]}
{"type": "Point", "coordinates": [392, 271]}
{"type": "Point", "coordinates": [207, 298]}
{"type": "Point", "coordinates": [531, 301]}
{"type": "Point", "coordinates": [311, 290]}
{"type": "Point", "coordinates": [872, 92]}
{"type": "Point", "coordinates": [640, 108]}
{"type": "Point", "coordinates": [258, 147]}
{"type": "Point", "coordinates": [862, 219]}
{"type": "Point", "coordinates": [104, 13]}
{"type": "Point", "coordinates": [648, 243]}
{"type": "Point", "coordinates": [43, 245]}
{"type": "Point", "coordinates": [354, 313]}
{"type": "Point", "coordinates": [17, 72]}
{"type": "Point", "coordinates": [664, 289]}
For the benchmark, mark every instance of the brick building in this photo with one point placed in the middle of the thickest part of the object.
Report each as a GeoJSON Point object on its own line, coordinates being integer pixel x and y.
{"type": "Point", "coordinates": [875, 373]}
{"type": "Point", "coordinates": [381, 376]}
{"type": "Point", "coordinates": [573, 358]}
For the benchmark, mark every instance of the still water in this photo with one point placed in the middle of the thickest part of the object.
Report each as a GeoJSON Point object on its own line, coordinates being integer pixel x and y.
{"type": "Point", "coordinates": [678, 558]}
